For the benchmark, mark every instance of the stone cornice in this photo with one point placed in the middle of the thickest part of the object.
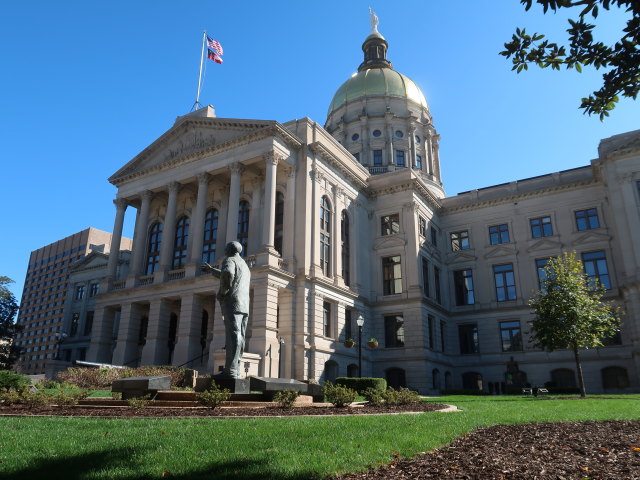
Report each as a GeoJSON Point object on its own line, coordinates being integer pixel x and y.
{"type": "Point", "coordinates": [446, 210]}
{"type": "Point", "coordinates": [319, 149]}
{"type": "Point", "coordinates": [413, 184]}
{"type": "Point", "coordinates": [263, 129]}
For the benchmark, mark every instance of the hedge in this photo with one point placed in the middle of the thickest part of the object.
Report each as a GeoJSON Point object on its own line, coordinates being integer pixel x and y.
{"type": "Point", "coordinates": [13, 380]}
{"type": "Point", "coordinates": [361, 384]}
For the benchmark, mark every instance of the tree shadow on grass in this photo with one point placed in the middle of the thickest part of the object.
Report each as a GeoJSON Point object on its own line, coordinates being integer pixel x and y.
{"type": "Point", "coordinates": [79, 467]}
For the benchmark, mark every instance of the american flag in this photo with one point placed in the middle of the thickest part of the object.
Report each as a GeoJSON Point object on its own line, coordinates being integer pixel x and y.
{"type": "Point", "coordinates": [215, 45]}
{"type": "Point", "coordinates": [214, 56]}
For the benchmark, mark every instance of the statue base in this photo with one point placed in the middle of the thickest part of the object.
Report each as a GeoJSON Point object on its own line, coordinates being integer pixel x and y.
{"type": "Point", "coordinates": [234, 385]}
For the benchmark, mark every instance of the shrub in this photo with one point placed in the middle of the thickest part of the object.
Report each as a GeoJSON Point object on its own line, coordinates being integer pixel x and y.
{"type": "Point", "coordinates": [339, 395]}
{"type": "Point", "coordinates": [362, 384]}
{"type": "Point", "coordinates": [286, 399]}
{"type": "Point", "coordinates": [116, 395]}
{"type": "Point", "coordinates": [403, 396]}
{"type": "Point", "coordinates": [102, 378]}
{"type": "Point", "coordinates": [214, 397]}
{"type": "Point", "coordinates": [50, 384]}
{"type": "Point", "coordinates": [374, 396]}
{"type": "Point", "coordinates": [9, 379]}
{"type": "Point", "coordinates": [64, 399]}
{"type": "Point", "coordinates": [138, 403]}
{"type": "Point", "coordinates": [37, 399]}
{"type": "Point", "coordinates": [10, 397]}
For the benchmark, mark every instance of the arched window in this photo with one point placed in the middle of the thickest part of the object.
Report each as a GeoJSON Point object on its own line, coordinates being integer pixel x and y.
{"type": "Point", "coordinates": [153, 248]}
{"type": "Point", "coordinates": [472, 381]}
{"type": "Point", "coordinates": [210, 236]}
{"type": "Point", "coordinates": [180, 243]}
{"type": "Point", "coordinates": [278, 230]}
{"type": "Point", "coordinates": [396, 377]}
{"type": "Point", "coordinates": [243, 226]}
{"type": "Point", "coordinates": [352, 370]}
{"type": "Point", "coordinates": [614, 378]}
{"type": "Point", "coordinates": [447, 380]}
{"type": "Point", "coordinates": [325, 236]}
{"type": "Point", "coordinates": [330, 371]}
{"type": "Point", "coordinates": [173, 330]}
{"type": "Point", "coordinates": [346, 254]}
{"type": "Point", "coordinates": [563, 378]}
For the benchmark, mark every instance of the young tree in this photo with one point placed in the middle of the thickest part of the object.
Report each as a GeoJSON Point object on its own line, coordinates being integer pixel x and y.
{"type": "Point", "coordinates": [621, 59]}
{"type": "Point", "coordinates": [570, 312]}
{"type": "Point", "coordinates": [8, 329]}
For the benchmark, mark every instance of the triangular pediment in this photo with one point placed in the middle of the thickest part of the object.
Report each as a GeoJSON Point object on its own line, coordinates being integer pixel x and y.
{"type": "Point", "coordinates": [190, 137]}
{"type": "Point", "coordinates": [389, 241]}
{"type": "Point", "coordinates": [544, 244]}
{"type": "Point", "coordinates": [461, 256]}
{"type": "Point", "coordinates": [501, 251]}
{"type": "Point", "coordinates": [590, 236]}
{"type": "Point", "coordinates": [91, 261]}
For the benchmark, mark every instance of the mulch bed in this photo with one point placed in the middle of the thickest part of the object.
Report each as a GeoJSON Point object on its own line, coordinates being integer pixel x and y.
{"type": "Point", "coordinates": [559, 451]}
{"type": "Point", "coordinates": [270, 411]}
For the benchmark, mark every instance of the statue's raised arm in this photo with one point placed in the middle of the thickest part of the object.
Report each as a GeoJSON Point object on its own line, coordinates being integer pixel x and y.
{"type": "Point", "coordinates": [373, 19]}
{"type": "Point", "coordinates": [205, 267]}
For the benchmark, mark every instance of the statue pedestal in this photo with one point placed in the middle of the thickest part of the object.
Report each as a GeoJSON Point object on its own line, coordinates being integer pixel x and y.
{"type": "Point", "coordinates": [235, 385]}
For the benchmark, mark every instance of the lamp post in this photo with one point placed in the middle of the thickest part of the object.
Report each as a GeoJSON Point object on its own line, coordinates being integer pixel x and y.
{"type": "Point", "coordinates": [360, 322]}
{"type": "Point", "coordinates": [280, 359]}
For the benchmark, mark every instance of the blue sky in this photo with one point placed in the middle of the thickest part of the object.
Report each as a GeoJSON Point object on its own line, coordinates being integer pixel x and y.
{"type": "Point", "coordinates": [86, 85]}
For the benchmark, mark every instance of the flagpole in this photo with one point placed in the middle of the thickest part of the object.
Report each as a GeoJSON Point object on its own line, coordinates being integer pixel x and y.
{"type": "Point", "coordinates": [197, 102]}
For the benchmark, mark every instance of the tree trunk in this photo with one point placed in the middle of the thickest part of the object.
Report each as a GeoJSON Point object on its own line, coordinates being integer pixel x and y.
{"type": "Point", "coordinates": [583, 392]}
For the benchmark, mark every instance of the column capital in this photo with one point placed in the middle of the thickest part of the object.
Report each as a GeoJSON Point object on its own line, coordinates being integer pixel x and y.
{"type": "Point", "coordinates": [173, 187]}
{"type": "Point", "coordinates": [272, 157]}
{"type": "Point", "coordinates": [147, 195]}
{"type": "Point", "coordinates": [120, 203]}
{"type": "Point", "coordinates": [236, 168]}
{"type": "Point", "coordinates": [203, 178]}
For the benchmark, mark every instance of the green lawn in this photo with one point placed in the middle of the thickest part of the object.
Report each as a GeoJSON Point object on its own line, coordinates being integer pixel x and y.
{"type": "Point", "coordinates": [283, 448]}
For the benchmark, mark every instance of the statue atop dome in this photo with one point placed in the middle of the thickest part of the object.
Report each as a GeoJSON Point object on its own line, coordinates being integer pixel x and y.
{"type": "Point", "coordinates": [373, 19]}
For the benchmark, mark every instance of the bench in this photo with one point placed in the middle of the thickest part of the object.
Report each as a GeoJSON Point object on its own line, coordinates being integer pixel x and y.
{"type": "Point", "coordinates": [535, 391]}
{"type": "Point", "coordinates": [133, 387]}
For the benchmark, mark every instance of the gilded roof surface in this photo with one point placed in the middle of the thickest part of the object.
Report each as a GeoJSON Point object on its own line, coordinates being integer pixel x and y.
{"type": "Point", "coordinates": [377, 82]}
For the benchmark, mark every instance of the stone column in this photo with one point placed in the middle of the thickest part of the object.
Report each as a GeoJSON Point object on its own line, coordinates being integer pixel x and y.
{"type": "Point", "coordinates": [188, 335]}
{"type": "Point", "coordinates": [169, 228]}
{"type": "Point", "coordinates": [236, 170]}
{"type": "Point", "coordinates": [140, 234]}
{"type": "Point", "coordinates": [197, 220]}
{"type": "Point", "coordinates": [337, 237]}
{"type": "Point", "coordinates": [126, 351]}
{"type": "Point", "coordinates": [289, 216]}
{"type": "Point", "coordinates": [101, 336]}
{"type": "Point", "coordinates": [156, 350]}
{"type": "Point", "coordinates": [112, 265]}
{"type": "Point", "coordinates": [412, 138]}
{"type": "Point", "coordinates": [271, 160]}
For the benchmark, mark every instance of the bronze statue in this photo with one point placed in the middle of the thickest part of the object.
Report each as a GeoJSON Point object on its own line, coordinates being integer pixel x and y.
{"type": "Point", "coordinates": [233, 296]}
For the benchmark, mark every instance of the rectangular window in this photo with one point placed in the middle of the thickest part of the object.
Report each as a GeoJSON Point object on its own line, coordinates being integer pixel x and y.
{"type": "Point", "coordinates": [540, 270]}
{"type": "Point", "coordinates": [436, 281]}
{"type": "Point", "coordinates": [419, 162]}
{"type": "Point", "coordinates": [595, 266]}
{"type": "Point", "coordinates": [94, 289]}
{"type": "Point", "coordinates": [357, 156]}
{"type": "Point", "coordinates": [587, 219]}
{"type": "Point", "coordinates": [541, 227]}
{"type": "Point", "coordinates": [459, 240]}
{"type": "Point", "coordinates": [422, 226]}
{"type": "Point", "coordinates": [468, 337]}
{"type": "Point", "coordinates": [400, 158]}
{"type": "Point", "coordinates": [425, 277]}
{"type": "Point", "coordinates": [505, 282]}
{"type": "Point", "coordinates": [88, 323]}
{"type": "Point", "coordinates": [80, 292]}
{"type": "Point", "coordinates": [326, 319]}
{"type": "Point", "coordinates": [377, 158]}
{"type": "Point", "coordinates": [463, 284]}
{"type": "Point", "coordinates": [499, 234]}
{"type": "Point", "coordinates": [443, 335]}
{"type": "Point", "coordinates": [348, 330]}
{"type": "Point", "coordinates": [391, 275]}
{"type": "Point", "coordinates": [394, 331]}
{"type": "Point", "coordinates": [74, 324]}
{"type": "Point", "coordinates": [431, 320]}
{"type": "Point", "coordinates": [390, 224]}
{"type": "Point", "coordinates": [511, 336]}
{"type": "Point", "coordinates": [434, 236]}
